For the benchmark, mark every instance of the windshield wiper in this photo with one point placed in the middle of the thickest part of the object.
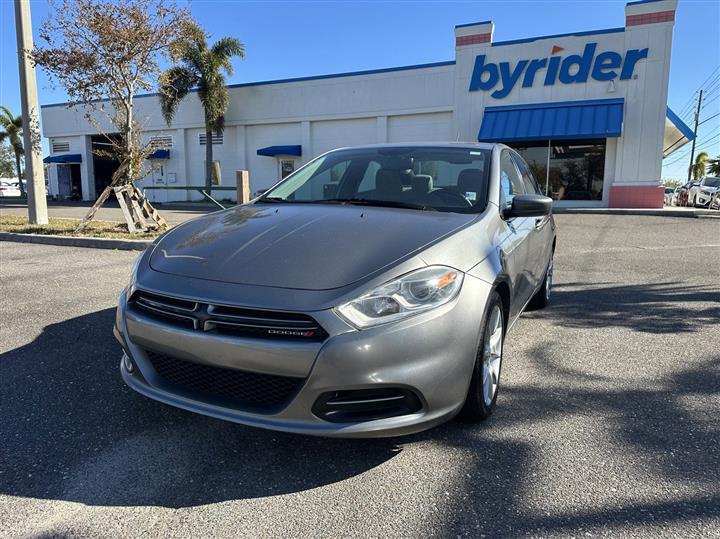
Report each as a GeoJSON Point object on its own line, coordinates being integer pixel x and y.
{"type": "Point", "coordinates": [352, 201]}
{"type": "Point", "coordinates": [273, 199]}
{"type": "Point", "coordinates": [380, 203]}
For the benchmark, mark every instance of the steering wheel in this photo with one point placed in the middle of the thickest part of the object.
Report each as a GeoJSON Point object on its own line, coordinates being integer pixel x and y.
{"type": "Point", "coordinates": [447, 197]}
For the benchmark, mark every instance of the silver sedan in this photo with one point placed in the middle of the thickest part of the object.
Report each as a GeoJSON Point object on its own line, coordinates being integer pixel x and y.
{"type": "Point", "coordinates": [367, 294]}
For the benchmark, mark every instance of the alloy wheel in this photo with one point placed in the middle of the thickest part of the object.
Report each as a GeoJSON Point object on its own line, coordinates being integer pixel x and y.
{"type": "Point", "coordinates": [492, 355]}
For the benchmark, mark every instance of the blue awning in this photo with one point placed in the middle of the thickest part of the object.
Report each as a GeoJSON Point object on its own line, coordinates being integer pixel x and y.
{"type": "Point", "coordinates": [677, 133]}
{"type": "Point", "coordinates": [159, 154]}
{"type": "Point", "coordinates": [272, 151]}
{"type": "Point", "coordinates": [64, 158]}
{"type": "Point", "coordinates": [599, 118]}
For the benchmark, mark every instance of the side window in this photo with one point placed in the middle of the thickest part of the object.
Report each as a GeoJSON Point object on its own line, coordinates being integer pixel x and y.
{"type": "Point", "coordinates": [531, 185]}
{"type": "Point", "coordinates": [511, 183]}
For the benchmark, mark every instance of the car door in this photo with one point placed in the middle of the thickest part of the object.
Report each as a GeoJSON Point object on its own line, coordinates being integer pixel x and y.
{"type": "Point", "coordinates": [515, 247]}
{"type": "Point", "coordinates": [541, 233]}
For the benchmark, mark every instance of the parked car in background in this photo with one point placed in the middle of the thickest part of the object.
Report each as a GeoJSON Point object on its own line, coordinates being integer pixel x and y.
{"type": "Point", "coordinates": [700, 193]}
{"type": "Point", "coordinates": [668, 195]}
{"type": "Point", "coordinates": [674, 197]}
{"type": "Point", "coordinates": [715, 201]}
{"type": "Point", "coordinates": [376, 303]}
{"type": "Point", "coordinates": [9, 188]}
{"type": "Point", "coordinates": [684, 193]}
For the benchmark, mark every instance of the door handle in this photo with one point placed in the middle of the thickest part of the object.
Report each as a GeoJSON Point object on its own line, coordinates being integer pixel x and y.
{"type": "Point", "coordinates": [540, 222]}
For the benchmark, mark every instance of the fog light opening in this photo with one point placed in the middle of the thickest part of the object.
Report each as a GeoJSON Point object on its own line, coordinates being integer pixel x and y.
{"type": "Point", "coordinates": [128, 364]}
{"type": "Point", "coordinates": [352, 406]}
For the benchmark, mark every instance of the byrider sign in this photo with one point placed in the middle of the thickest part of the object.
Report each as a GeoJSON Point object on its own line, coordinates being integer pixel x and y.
{"type": "Point", "coordinates": [575, 68]}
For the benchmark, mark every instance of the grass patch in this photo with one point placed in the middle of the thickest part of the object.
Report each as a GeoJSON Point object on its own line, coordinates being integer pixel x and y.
{"type": "Point", "coordinates": [65, 227]}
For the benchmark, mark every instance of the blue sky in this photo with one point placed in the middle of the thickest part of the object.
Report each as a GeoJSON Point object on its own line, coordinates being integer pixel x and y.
{"type": "Point", "coordinates": [291, 39]}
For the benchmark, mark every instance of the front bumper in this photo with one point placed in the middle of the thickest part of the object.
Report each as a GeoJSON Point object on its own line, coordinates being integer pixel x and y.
{"type": "Point", "coordinates": [431, 354]}
{"type": "Point", "coordinates": [703, 199]}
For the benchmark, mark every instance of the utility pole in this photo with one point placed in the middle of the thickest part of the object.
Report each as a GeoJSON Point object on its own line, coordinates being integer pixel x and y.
{"type": "Point", "coordinates": [697, 121]}
{"type": "Point", "coordinates": [34, 173]}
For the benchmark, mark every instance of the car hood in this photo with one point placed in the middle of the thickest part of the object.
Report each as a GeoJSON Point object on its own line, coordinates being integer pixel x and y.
{"type": "Point", "coordinates": [301, 246]}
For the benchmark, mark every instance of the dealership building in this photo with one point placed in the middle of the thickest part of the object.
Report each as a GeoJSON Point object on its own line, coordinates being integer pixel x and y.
{"type": "Point", "coordinates": [588, 110]}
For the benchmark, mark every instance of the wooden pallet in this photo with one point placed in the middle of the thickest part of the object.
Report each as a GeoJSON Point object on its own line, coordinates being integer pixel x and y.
{"type": "Point", "coordinates": [139, 213]}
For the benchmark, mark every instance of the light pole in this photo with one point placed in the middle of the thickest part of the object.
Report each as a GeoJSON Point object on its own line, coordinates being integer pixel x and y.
{"type": "Point", "coordinates": [34, 174]}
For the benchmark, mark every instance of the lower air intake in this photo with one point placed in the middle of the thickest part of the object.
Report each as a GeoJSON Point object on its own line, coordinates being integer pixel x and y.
{"type": "Point", "coordinates": [366, 404]}
{"type": "Point", "coordinates": [263, 393]}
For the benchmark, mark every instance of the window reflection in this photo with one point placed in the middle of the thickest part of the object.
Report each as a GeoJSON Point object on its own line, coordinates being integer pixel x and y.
{"type": "Point", "coordinates": [577, 167]}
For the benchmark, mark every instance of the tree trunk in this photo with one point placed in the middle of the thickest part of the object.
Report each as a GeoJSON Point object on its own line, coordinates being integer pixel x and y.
{"type": "Point", "coordinates": [19, 173]}
{"type": "Point", "coordinates": [116, 180]}
{"type": "Point", "coordinates": [208, 159]}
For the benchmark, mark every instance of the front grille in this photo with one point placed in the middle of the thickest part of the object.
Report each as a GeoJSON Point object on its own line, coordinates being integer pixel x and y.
{"type": "Point", "coordinates": [254, 391]}
{"type": "Point", "coordinates": [227, 320]}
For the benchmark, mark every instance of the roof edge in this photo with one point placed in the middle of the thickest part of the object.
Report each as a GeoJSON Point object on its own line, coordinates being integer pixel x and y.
{"type": "Point", "coordinates": [299, 79]}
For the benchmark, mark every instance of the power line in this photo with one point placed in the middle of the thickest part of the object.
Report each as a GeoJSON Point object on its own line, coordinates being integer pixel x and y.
{"type": "Point", "coordinates": [710, 76]}
{"type": "Point", "coordinates": [709, 118]}
{"type": "Point", "coordinates": [687, 109]}
{"type": "Point", "coordinates": [704, 140]}
{"type": "Point", "coordinates": [684, 155]}
{"type": "Point", "coordinates": [710, 101]}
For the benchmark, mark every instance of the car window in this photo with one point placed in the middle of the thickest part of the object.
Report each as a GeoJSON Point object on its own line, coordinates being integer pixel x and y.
{"type": "Point", "coordinates": [453, 179]}
{"type": "Point", "coordinates": [326, 185]}
{"type": "Point", "coordinates": [531, 185]}
{"type": "Point", "coordinates": [511, 183]}
{"type": "Point", "coordinates": [368, 180]}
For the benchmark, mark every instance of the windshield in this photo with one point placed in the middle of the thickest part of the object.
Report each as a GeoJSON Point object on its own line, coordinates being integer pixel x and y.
{"type": "Point", "coordinates": [422, 178]}
{"type": "Point", "coordinates": [712, 182]}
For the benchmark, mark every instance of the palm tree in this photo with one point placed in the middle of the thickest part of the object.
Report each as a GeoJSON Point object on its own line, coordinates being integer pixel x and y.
{"type": "Point", "coordinates": [201, 67]}
{"type": "Point", "coordinates": [12, 131]}
{"type": "Point", "coordinates": [714, 166]}
{"type": "Point", "coordinates": [698, 168]}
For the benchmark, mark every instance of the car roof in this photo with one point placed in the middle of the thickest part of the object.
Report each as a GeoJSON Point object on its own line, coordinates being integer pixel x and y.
{"type": "Point", "coordinates": [468, 145]}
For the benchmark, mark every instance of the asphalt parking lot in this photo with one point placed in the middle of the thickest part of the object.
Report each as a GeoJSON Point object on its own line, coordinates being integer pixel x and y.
{"type": "Point", "coordinates": [608, 420]}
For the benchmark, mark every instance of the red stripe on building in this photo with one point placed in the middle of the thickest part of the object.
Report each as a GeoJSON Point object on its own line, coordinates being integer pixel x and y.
{"type": "Point", "coordinates": [650, 18]}
{"type": "Point", "coordinates": [636, 196]}
{"type": "Point", "coordinates": [472, 40]}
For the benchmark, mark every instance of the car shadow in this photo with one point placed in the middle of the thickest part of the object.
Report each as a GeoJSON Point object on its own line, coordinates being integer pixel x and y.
{"type": "Point", "coordinates": [650, 308]}
{"type": "Point", "coordinates": [665, 430]}
{"type": "Point", "coordinates": [71, 430]}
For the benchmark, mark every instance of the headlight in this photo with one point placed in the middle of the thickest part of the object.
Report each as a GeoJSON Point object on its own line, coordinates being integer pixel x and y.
{"type": "Point", "coordinates": [414, 293]}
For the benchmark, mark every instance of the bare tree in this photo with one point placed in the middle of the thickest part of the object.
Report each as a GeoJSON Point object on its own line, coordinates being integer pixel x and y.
{"type": "Point", "coordinates": [102, 53]}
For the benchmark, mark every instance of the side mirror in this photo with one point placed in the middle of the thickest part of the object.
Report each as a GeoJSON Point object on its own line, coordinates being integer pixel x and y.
{"type": "Point", "coordinates": [529, 206]}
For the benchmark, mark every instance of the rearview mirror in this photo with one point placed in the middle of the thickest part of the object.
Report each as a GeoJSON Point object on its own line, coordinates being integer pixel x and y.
{"type": "Point", "coordinates": [529, 206]}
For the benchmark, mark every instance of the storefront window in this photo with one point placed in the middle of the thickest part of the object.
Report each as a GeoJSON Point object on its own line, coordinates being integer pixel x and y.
{"type": "Point", "coordinates": [577, 167]}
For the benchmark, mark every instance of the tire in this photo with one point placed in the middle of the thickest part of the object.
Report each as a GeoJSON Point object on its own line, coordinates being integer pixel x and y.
{"type": "Point", "coordinates": [485, 381]}
{"type": "Point", "coordinates": [542, 297]}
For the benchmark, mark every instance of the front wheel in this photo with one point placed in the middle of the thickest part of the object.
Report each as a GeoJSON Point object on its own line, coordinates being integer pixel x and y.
{"type": "Point", "coordinates": [485, 381]}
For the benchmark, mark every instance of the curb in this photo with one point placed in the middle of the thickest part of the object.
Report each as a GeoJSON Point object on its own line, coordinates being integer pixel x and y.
{"type": "Point", "coordinates": [72, 241]}
{"type": "Point", "coordinates": [693, 214]}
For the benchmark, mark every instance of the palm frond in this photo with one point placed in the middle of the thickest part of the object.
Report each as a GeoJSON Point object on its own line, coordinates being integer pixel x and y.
{"type": "Point", "coordinates": [7, 115]}
{"type": "Point", "coordinates": [175, 84]}
{"type": "Point", "coordinates": [224, 50]}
